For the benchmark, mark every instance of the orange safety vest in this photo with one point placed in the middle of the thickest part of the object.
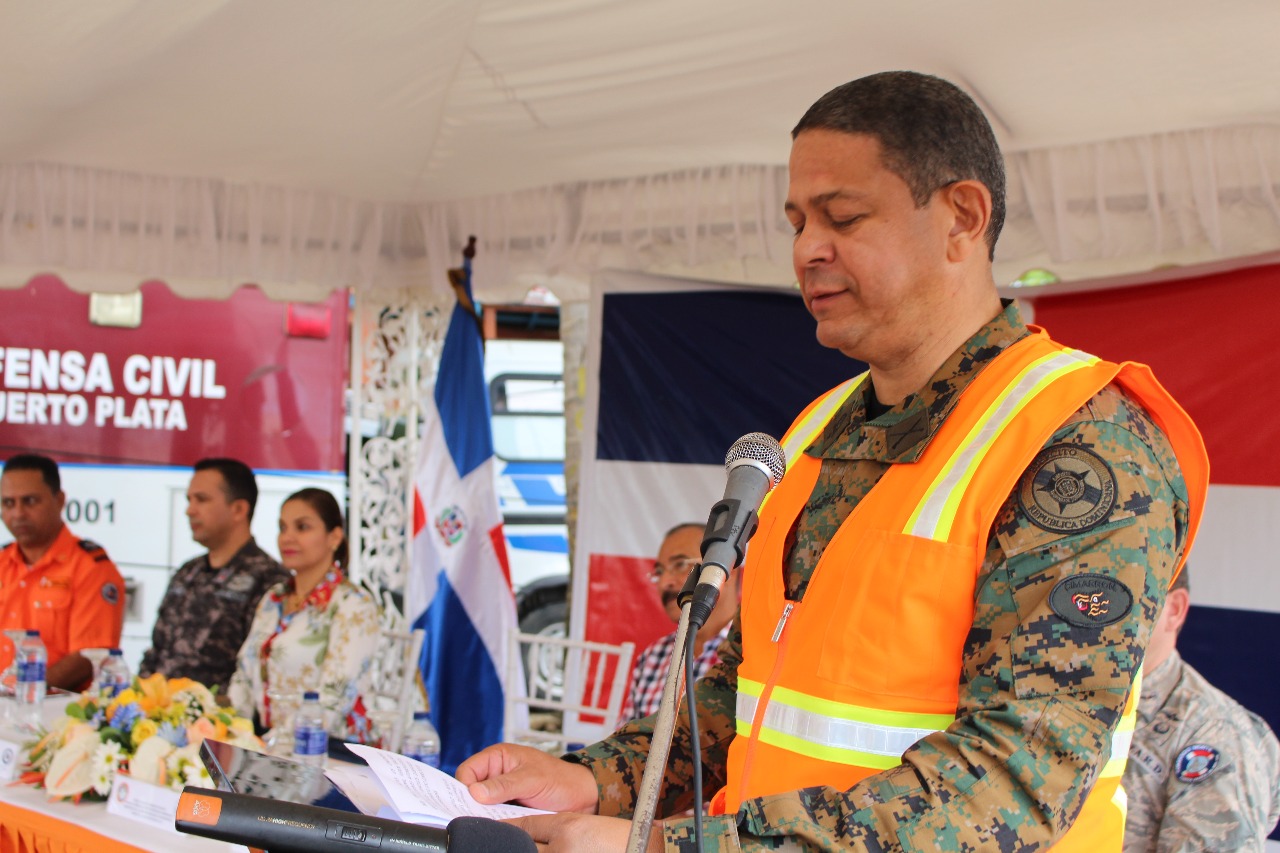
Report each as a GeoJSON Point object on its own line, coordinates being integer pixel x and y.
{"type": "Point", "coordinates": [835, 688]}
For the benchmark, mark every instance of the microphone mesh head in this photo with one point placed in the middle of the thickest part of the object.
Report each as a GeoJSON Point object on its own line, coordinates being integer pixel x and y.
{"type": "Point", "coordinates": [759, 447]}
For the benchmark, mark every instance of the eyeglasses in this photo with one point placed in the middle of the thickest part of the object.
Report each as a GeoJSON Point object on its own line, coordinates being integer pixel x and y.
{"type": "Point", "coordinates": [679, 566]}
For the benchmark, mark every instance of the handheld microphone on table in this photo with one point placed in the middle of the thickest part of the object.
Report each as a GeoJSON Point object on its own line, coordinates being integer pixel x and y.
{"type": "Point", "coordinates": [284, 827]}
{"type": "Point", "coordinates": [755, 464]}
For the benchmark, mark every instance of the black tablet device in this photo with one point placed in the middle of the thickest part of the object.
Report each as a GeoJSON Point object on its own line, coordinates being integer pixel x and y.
{"type": "Point", "coordinates": [242, 771]}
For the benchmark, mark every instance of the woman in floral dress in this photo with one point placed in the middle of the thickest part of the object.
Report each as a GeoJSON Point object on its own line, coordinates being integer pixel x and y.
{"type": "Point", "coordinates": [319, 632]}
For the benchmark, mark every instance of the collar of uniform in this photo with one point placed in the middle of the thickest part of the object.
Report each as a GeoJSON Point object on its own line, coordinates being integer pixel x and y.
{"type": "Point", "coordinates": [1158, 684]}
{"type": "Point", "coordinates": [59, 550]}
{"type": "Point", "coordinates": [248, 549]}
{"type": "Point", "coordinates": [902, 433]}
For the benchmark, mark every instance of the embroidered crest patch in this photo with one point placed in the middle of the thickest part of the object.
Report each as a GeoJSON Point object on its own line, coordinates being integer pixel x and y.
{"type": "Point", "coordinates": [1196, 762]}
{"type": "Point", "coordinates": [1090, 601]}
{"type": "Point", "coordinates": [1070, 489]}
{"type": "Point", "coordinates": [110, 594]}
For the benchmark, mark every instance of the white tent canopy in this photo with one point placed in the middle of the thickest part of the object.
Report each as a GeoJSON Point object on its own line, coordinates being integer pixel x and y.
{"type": "Point", "coordinates": [305, 144]}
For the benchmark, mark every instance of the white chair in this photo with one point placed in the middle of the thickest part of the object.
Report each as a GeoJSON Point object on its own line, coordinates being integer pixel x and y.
{"type": "Point", "coordinates": [576, 679]}
{"type": "Point", "coordinates": [396, 684]}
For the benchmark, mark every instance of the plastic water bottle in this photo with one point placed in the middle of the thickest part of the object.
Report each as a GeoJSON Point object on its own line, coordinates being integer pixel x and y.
{"type": "Point", "coordinates": [31, 673]}
{"type": "Point", "coordinates": [310, 737]}
{"type": "Point", "coordinates": [422, 741]}
{"type": "Point", "coordinates": [114, 675]}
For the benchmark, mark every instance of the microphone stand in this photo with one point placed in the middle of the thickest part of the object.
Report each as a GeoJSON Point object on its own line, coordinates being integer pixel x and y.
{"type": "Point", "coordinates": [664, 727]}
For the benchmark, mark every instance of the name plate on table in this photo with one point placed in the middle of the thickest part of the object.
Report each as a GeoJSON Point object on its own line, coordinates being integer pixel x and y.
{"type": "Point", "coordinates": [10, 760]}
{"type": "Point", "coordinates": [141, 801]}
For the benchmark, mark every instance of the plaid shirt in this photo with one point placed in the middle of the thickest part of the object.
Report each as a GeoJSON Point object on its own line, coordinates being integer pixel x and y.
{"type": "Point", "coordinates": [650, 673]}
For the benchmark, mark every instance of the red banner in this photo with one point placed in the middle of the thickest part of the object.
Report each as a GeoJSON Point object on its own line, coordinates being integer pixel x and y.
{"type": "Point", "coordinates": [197, 378]}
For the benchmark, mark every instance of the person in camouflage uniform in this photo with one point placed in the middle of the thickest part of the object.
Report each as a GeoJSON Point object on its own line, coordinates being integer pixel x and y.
{"type": "Point", "coordinates": [207, 610]}
{"type": "Point", "coordinates": [1203, 771]}
{"type": "Point", "coordinates": [895, 227]}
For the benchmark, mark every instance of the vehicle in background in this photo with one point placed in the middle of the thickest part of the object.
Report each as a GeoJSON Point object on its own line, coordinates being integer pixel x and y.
{"type": "Point", "coordinates": [526, 395]}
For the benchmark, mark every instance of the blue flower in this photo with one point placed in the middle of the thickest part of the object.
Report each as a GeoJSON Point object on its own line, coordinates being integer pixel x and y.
{"type": "Point", "coordinates": [125, 716]}
{"type": "Point", "coordinates": [176, 735]}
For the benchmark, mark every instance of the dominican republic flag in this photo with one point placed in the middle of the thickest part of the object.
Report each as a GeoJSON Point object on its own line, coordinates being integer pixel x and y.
{"type": "Point", "coordinates": [459, 589]}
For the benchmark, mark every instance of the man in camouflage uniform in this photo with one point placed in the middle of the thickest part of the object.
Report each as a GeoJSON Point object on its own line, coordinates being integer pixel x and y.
{"type": "Point", "coordinates": [1203, 771]}
{"type": "Point", "coordinates": [209, 605]}
{"type": "Point", "coordinates": [897, 197]}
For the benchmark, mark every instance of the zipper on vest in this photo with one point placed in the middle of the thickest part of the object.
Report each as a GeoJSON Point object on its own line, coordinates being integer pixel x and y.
{"type": "Point", "coordinates": [782, 622]}
{"type": "Point", "coordinates": [765, 695]}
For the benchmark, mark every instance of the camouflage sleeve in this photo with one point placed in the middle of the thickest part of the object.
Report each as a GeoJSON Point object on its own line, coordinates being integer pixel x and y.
{"type": "Point", "coordinates": [618, 761]}
{"type": "Point", "coordinates": [1045, 676]}
{"type": "Point", "coordinates": [1232, 806]}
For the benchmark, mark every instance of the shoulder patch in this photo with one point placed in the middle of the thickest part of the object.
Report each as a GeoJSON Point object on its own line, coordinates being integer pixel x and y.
{"type": "Point", "coordinates": [1067, 489]}
{"type": "Point", "coordinates": [110, 593]}
{"type": "Point", "coordinates": [1196, 762]}
{"type": "Point", "coordinates": [1090, 601]}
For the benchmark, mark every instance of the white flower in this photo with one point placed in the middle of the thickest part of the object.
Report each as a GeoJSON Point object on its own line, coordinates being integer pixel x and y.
{"type": "Point", "coordinates": [72, 770]}
{"type": "Point", "coordinates": [106, 759]}
{"type": "Point", "coordinates": [148, 763]}
{"type": "Point", "coordinates": [197, 775]}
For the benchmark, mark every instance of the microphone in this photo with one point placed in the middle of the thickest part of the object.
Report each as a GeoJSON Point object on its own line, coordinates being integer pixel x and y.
{"type": "Point", "coordinates": [754, 464]}
{"type": "Point", "coordinates": [284, 827]}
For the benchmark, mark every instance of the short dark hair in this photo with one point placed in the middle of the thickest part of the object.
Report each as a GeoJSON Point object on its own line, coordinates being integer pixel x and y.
{"type": "Point", "coordinates": [1183, 580]}
{"type": "Point", "coordinates": [35, 462]}
{"type": "Point", "coordinates": [930, 133]}
{"type": "Point", "coordinates": [326, 506]}
{"type": "Point", "coordinates": [681, 526]}
{"type": "Point", "coordinates": [238, 477]}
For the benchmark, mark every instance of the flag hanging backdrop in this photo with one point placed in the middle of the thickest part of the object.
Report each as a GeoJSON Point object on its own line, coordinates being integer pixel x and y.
{"type": "Point", "coordinates": [459, 589]}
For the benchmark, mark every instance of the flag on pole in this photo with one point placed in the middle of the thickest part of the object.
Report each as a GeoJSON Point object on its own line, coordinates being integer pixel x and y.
{"type": "Point", "coordinates": [459, 589]}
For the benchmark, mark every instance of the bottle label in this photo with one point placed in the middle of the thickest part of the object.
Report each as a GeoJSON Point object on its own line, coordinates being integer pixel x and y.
{"type": "Point", "coordinates": [308, 740]}
{"type": "Point", "coordinates": [432, 759]}
{"type": "Point", "coordinates": [30, 671]}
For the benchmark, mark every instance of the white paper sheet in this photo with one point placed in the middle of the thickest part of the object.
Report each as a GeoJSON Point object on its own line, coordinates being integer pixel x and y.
{"type": "Point", "coordinates": [418, 793]}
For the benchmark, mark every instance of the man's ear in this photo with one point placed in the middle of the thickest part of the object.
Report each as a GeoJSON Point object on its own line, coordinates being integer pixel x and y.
{"type": "Point", "coordinates": [240, 509]}
{"type": "Point", "coordinates": [1177, 604]}
{"type": "Point", "coordinates": [969, 205]}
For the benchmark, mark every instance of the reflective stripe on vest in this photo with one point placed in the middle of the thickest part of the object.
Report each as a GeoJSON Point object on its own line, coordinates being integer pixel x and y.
{"type": "Point", "coordinates": [833, 731]}
{"type": "Point", "coordinates": [866, 737]}
{"type": "Point", "coordinates": [802, 434]}
{"type": "Point", "coordinates": [805, 432]}
{"type": "Point", "coordinates": [936, 511]}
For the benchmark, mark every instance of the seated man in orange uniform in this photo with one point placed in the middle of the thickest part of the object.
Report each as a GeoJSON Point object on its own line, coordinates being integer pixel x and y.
{"type": "Point", "coordinates": [66, 588]}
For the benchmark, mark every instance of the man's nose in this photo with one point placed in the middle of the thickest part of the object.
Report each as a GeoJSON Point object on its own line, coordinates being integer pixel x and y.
{"type": "Point", "coordinates": [812, 246]}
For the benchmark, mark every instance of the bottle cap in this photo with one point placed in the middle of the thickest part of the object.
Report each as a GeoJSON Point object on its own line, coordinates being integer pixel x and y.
{"type": "Point", "coordinates": [310, 696]}
{"type": "Point", "coordinates": [33, 633]}
{"type": "Point", "coordinates": [421, 715]}
{"type": "Point", "coordinates": [116, 653]}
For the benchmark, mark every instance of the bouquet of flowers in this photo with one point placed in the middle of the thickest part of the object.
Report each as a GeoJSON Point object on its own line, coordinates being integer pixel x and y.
{"type": "Point", "coordinates": [151, 731]}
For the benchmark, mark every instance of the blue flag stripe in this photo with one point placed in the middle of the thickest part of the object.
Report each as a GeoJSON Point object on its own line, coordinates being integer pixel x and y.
{"type": "Point", "coordinates": [460, 390]}
{"type": "Point", "coordinates": [460, 677]}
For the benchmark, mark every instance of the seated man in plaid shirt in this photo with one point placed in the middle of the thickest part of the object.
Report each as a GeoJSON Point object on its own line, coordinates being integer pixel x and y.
{"type": "Point", "coordinates": [681, 550]}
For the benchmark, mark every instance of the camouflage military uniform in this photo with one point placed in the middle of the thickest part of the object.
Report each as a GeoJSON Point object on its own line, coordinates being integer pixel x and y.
{"type": "Point", "coordinates": [1203, 772]}
{"type": "Point", "coordinates": [1038, 698]}
{"type": "Point", "coordinates": [205, 616]}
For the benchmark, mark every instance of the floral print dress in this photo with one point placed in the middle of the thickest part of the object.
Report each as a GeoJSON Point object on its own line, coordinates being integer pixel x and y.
{"type": "Point", "coordinates": [325, 646]}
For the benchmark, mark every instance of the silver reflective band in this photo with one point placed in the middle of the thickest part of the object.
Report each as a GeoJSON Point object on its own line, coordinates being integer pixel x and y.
{"type": "Point", "coordinates": [1120, 742]}
{"type": "Point", "coordinates": [831, 732]}
{"type": "Point", "coordinates": [931, 513]}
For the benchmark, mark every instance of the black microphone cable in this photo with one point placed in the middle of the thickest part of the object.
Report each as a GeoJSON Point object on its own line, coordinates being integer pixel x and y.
{"type": "Point", "coordinates": [690, 655]}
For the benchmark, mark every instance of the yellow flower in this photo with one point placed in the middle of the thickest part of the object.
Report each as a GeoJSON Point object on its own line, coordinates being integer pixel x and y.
{"type": "Point", "coordinates": [155, 692]}
{"type": "Point", "coordinates": [126, 696]}
{"type": "Point", "coordinates": [240, 724]}
{"type": "Point", "coordinates": [142, 730]}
